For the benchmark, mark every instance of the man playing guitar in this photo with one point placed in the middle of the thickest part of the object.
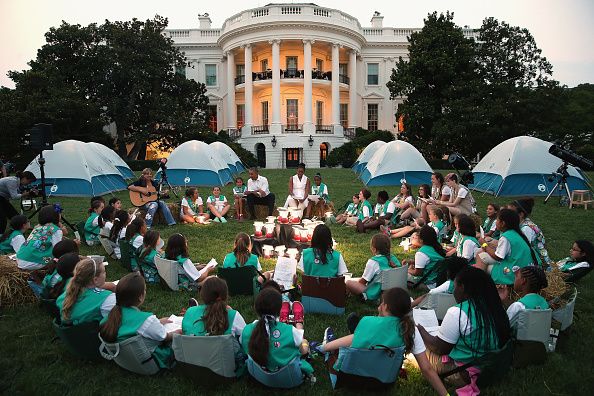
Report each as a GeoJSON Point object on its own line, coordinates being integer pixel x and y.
{"type": "Point", "coordinates": [146, 187]}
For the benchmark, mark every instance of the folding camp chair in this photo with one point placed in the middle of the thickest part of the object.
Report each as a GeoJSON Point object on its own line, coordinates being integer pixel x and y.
{"type": "Point", "coordinates": [126, 254]}
{"type": "Point", "coordinates": [564, 315]}
{"type": "Point", "coordinates": [107, 246]}
{"type": "Point", "coordinates": [168, 271]}
{"type": "Point", "coordinates": [533, 334]}
{"type": "Point", "coordinates": [206, 359]}
{"type": "Point", "coordinates": [49, 306]}
{"type": "Point", "coordinates": [390, 278]}
{"type": "Point", "coordinates": [440, 302]}
{"type": "Point", "coordinates": [81, 340]}
{"type": "Point", "coordinates": [287, 377]}
{"type": "Point", "coordinates": [131, 354]}
{"type": "Point", "coordinates": [323, 295]}
{"type": "Point", "coordinates": [240, 280]}
{"type": "Point", "coordinates": [376, 368]}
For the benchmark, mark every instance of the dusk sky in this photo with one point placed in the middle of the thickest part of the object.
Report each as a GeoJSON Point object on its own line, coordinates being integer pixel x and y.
{"type": "Point", "coordinates": [562, 29]}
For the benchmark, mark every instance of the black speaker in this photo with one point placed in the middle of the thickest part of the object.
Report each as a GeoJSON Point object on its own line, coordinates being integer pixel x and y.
{"type": "Point", "coordinates": [41, 137]}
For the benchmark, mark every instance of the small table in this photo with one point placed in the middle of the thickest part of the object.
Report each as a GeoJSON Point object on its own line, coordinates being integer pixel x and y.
{"type": "Point", "coordinates": [580, 197]}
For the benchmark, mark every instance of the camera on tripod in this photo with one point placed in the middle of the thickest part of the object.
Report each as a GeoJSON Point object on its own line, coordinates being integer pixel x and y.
{"type": "Point", "coordinates": [459, 162]}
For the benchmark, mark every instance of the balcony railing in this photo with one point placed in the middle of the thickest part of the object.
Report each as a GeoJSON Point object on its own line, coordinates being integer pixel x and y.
{"type": "Point", "coordinates": [349, 133]}
{"type": "Point", "coordinates": [260, 129]}
{"type": "Point", "coordinates": [239, 80]}
{"type": "Point", "coordinates": [293, 73]}
{"type": "Point", "coordinates": [324, 129]}
{"type": "Point", "coordinates": [234, 134]}
{"type": "Point", "coordinates": [343, 79]}
{"type": "Point", "coordinates": [293, 128]}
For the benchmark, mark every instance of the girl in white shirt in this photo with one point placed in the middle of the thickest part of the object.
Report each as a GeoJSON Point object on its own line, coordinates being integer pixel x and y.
{"type": "Point", "coordinates": [579, 262]}
{"type": "Point", "coordinates": [404, 202]}
{"type": "Point", "coordinates": [299, 186]}
{"type": "Point", "coordinates": [189, 276]}
{"type": "Point", "coordinates": [191, 207]}
{"type": "Point", "coordinates": [14, 237]}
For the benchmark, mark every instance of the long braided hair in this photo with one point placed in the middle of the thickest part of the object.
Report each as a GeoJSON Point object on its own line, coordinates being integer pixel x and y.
{"type": "Point", "coordinates": [268, 305]}
{"type": "Point", "coordinates": [536, 278]}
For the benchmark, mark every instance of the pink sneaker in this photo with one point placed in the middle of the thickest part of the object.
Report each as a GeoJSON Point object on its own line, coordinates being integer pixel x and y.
{"type": "Point", "coordinates": [284, 313]}
{"type": "Point", "coordinates": [298, 312]}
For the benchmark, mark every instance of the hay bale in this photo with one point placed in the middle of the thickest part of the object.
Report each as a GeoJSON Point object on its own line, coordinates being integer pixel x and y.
{"type": "Point", "coordinates": [14, 289]}
{"type": "Point", "coordinates": [159, 219]}
{"type": "Point", "coordinates": [558, 292]}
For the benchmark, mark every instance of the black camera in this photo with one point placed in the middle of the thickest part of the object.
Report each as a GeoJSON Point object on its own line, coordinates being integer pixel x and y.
{"type": "Point", "coordinates": [571, 157]}
{"type": "Point", "coordinates": [459, 162]}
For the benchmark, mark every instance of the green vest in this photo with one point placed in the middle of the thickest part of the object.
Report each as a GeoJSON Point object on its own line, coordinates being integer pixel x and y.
{"type": "Point", "coordinates": [239, 190]}
{"type": "Point", "coordinates": [365, 204]}
{"type": "Point", "coordinates": [460, 247]}
{"type": "Point", "coordinates": [132, 319]}
{"type": "Point", "coordinates": [566, 264]}
{"type": "Point", "coordinates": [87, 307]}
{"type": "Point", "coordinates": [5, 246]}
{"type": "Point", "coordinates": [92, 232]}
{"type": "Point", "coordinates": [230, 261]}
{"type": "Point", "coordinates": [194, 325]}
{"type": "Point", "coordinates": [352, 209]}
{"type": "Point", "coordinates": [133, 253]}
{"type": "Point", "coordinates": [466, 349]}
{"type": "Point", "coordinates": [147, 263]}
{"type": "Point", "coordinates": [439, 225]}
{"type": "Point", "coordinates": [313, 266]}
{"type": "Point", "coordinates": [519, 256]}
{"type": "Point", "coordinates": [281, 349]}
{"type": "Point", "coordinates": [374, 287]}
{"type": "Point", "coordinates": [534, 301]}
{"type": "Point", "coordinates": [213, 200]}
{"type": "Point", "coordinates": [50, 280]}
{"type": "Point", "coordinates": [384, 209]}
{"type": "Point", "coordinates": [377, 330]}
{"type": "Point", "coordinates": [434, 258]}
{"type": "Point", "coordinates": [38, 246]}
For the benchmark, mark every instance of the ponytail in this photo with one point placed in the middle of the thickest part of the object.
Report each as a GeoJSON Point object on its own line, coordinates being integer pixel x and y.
{"type": "Point", "coordinates": [214, 294]}
{"type": "Point", "coordinates": [241, 250]}
{"type": "Point", "coordinates": [429, 238]}
{"type": "Point", "coordinates": [398, 302]}
{"type": "Point", "coordinates": [84, 272]}
{"type": "Point", "coordinates": [16, 223]}
{"type": "Point", "coordinates": [150, 240]}
{"type": "Point", "coordinates": [382, 245]}
{"type": "Point", "coordinates": [119, 222]}
{"type": "Point", "coordinates": [268, 305]}
{"type": "Point", "coordinates": [128, 294]}
{"type": "Point", "coordinates": [109, 330]}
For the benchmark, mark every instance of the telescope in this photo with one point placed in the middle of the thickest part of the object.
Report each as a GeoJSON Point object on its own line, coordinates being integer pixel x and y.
{"type": "Point", "coordinates": [571, 157]}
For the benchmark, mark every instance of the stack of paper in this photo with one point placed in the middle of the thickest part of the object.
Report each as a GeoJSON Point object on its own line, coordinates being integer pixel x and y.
{"type": "Point", "coordinates": [284, 272]}
{"type": "Point", "coordinates": [176, 323]}
{"type": "Point", "coordinates": [426, 318]}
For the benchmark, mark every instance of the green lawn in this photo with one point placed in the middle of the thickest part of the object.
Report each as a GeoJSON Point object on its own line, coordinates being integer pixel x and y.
{"type": "Point", "coordinates": [32, 362]}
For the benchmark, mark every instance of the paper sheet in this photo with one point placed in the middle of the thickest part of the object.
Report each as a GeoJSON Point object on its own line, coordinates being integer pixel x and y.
{"type": "Point", "coordinates": [284, 272]}
{"type": "Point", "coordinates": [176, 323]}
{"type": "Point", "coordinates": [425, 317]}
{"type": "Point", "coordinates": [313, 198]}
{"type": "Point", "coordinates": [212, 263]}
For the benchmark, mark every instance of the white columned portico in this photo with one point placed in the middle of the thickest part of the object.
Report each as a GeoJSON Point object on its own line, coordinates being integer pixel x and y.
{"type": "Point", "coordinates": [275, 126]}
{"type": "Point", "coordinates": [231, 109]}
{"type": "Point", "coordinates": [353, 105]}
{"type": "Point", "coordinates": [249, 122]}
{"type": "Point", "coordinates": [335, 89]}
{"type": "Point", "coordinates": [308, 126]}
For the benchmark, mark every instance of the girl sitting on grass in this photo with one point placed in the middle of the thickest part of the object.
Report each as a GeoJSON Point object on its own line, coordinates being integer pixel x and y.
{"type": "Point", "coordinates": [490, 222]}
{"type": "Point", "coordinates": [14, 237]}
{"type": "Point", "coordinates": [126, 320]}
{"type": "Point", "coordinates": [134, 237]}
{"type": "Point", "coordinates": [146, 256]}
{"type": "Point", "coordinates": [468, 246]}
{"type": "Point", "coordinates": [394, 327]}
{"type": "Point", "coordinates": [426, 258]}
{"type": "Point", "coordinates": [118, 231]}
{"type": "Point", "coordinates": [53, 275]}
{"type": "Point", "coordinates": [191, 207]}
{"type": "Point", "coordinates": [54, 284]}
{"type": "Point", "coordinates": [579, 262]}
{"type": "Point", "coordinates": [177, 250]}
{"type": "Point", "coordinates": [94, 224]}
{"type": "Point", "coordinates": [36, 251]}
{"type": "Point", "coordinates": [351, 211]}
{"type": "Point", "coordinates": [382, 260]}
{"type": "Point", "coordinates": [217, 205]}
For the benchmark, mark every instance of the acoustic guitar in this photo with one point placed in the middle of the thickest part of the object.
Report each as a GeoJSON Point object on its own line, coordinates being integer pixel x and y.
{"type": "Point", "coordinates": [139, 199]}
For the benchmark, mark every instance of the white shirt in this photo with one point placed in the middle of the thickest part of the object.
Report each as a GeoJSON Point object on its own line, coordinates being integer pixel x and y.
{"type": "Point", "coordinates": [29, 265]}
{"type": "Point", "coordinates": [261, 183]}
{"type": "Point", "coordinates": [514, 309]}
{"type": "Point", "coordinates": [366, 212]}
{"type": "Point", "coordinates": [299, 187]}
{"type": "Point", "coordinates": [529, 233]}
{"type": "Point", "coordinates": [342, 268]}
{"type": "Point", "coordinates": [418, 345]}
{"type": "Point", "coordinates": [503, 248]}
{"type": "Point", "coordinates": [17, 242]}
{"type": "Point", "coordinates": [455, 323]}
{"type": "Point", "coordinates": [380, 207]}
{"type": "Point", "coordinates": [184, 202]}
{"type": "Point", "coordinates": [108, 304]}
{"type": "Point", "coordinates": [462, 192]}
{"type": "Point", "coordinates": [137, 242]}
{"type": "Point", "coordinates": [469, 249]}
{"type": "Point", "coordinates": [238, 325]}
{"type": "Point", "coordinates": [443, 288]}
{"type": "Point", "coordinates": [445, 190]}
{"type": "Point", "coordinates": [372, 268]}
{"type": "Point", "coordinates": [152, 329]}
{"type": "Point", "coordinates": [219, 203]}
{"type": "Point", "coordinates": [421, 260]}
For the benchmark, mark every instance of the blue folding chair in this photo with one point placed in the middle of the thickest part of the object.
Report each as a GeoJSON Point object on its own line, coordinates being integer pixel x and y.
{"type": "Point", "coordinates": [376, 368]}
{"type": "Point", "coordinates": [287, 377]}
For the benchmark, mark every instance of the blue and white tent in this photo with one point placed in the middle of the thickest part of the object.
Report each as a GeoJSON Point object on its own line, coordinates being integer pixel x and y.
{"type": "Point", "coordinates": [229, 157]}
{"type": "Point", "coordinates": [195, 163]}
{"type": "Point", "coordinates": [73, 168]}
{"type": "Point", "coordinates": [396, 162]}
{"type": "Point", "coordinates": [111, 156]}
{"type": "Point", "coordinates": [366, 155]}
{"type": "Point", "coordinates": [521, 166]}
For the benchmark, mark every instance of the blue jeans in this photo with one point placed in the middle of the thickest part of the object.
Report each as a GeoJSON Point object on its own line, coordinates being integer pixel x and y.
{"type": "Point", "coordinates": [152, 207]}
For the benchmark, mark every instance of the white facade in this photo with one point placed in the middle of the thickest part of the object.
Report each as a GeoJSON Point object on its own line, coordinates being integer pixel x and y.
{"type": "Point", "coordinates": [255, 66]}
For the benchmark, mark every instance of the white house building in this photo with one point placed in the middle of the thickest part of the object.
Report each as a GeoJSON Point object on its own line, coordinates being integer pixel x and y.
{"type": "Point", "coordinates": [292, 81]}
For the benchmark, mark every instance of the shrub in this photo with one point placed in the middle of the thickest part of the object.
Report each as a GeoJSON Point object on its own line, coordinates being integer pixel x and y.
{"type": "Point", "coordinates": [347, 154]}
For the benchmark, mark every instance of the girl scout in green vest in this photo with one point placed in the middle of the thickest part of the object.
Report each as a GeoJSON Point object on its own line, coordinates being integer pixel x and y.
{"type": "Point", "coordinates": [454, 265]}
{"type": "Point", "coordinates": [12, 240]}
{"type": "Point", "coordinates": [393, 327]}
{"type": "Point", "coordinates": [490, 223]}
{"type": "Point", "coordinates": [321, 259]}
{"type": "Point", "coordinates": [37, 249]}
{"type": "Point", "coordinates": [365, 210]}
{"type": "Point", "coordinates": [242, 254]}
{"type": "Point", "coordinates": [94, 224]}
{"type": "Point", "coordinates": [239, 197]}
{"type": "Point", "coordinates": [270, 343]}
{"type": "Point", "coordinates": [579, 262]}
{"type": "Point", "coordinates": [126, 320]}
{"type": "Point", "coordinates": [351, 212]}
{"type": "Point", "coordinates": [135, 237]}
{"type": "Point", "coordinates": [474, 327]}
{"type": "Point", "coordinates": [177, 250]}
{"type": "Point", "coordinates": [217, 206]}
{"type": "Point", "coordinates": [86, 298]}
{"type": "Point", "coordinates": [146, 256]}
{"type": "Point", "coordinates": [215, 317]}
{"type": "Point", "coordinates": [382, 260]}
{"type": "Point", "coordinates": [321, 190]}
{"type": "Point", "coordinates": [513, 250]}
{"type": "Point", "coordinates": [469, 245]}
{"type": "Point", "coordinates": [528, 283]}
{"type": "Point", "coordinates": [426, 258]}
{"type": "Point", "coordinates": [55, 283]}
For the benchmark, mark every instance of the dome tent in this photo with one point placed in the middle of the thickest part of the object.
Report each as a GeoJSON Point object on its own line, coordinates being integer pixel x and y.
{"type": "Point", "coordinates": [229, 157]}
{"type": "Point", "coordinates": [521, 166]}
{"type": "Point", "coordinates": [73, 168]}
{"type": "Point", "coordinates": [395, 162]}
{"type": "Point", "coordinates": [366, 155]}
{"type": "Point", "coordinates": [195, 163]}
{"type": "Point", "coordinates": [114, 158]}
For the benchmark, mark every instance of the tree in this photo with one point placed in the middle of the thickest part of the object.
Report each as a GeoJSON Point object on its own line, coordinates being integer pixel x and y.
{"type": "Point", "coordinates": [440, 59]}
{"type": "Point", "coordinates": [127, 71]}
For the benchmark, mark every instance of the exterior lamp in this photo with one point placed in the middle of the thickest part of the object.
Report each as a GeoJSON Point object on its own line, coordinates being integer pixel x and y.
{"type": "Point", "coordinates": [310, 141]}
{"type": "Point", "coordinates": [273, 141]}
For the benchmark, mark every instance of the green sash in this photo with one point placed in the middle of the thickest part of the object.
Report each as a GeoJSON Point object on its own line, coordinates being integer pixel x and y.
{"type": "Point", "coordinates": [38, 246]}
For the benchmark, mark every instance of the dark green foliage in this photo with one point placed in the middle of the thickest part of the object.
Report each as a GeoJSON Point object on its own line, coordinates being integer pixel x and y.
{"type": "Point", "coordinates": [347, 154]}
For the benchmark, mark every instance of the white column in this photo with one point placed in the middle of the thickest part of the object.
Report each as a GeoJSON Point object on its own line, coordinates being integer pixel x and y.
{"type": "Point", "coordinates": [335, 87]}
{"type": "Point", "coordinates": [248, 86]}
{"type": "Point", "coordinates": [353, 105]}
{"type": "Point", "coordinates": [308, 126]}
{"type": "Point", "coordinates": [231, 109]}
{"type": "Point", "coordinates": [275, 126]}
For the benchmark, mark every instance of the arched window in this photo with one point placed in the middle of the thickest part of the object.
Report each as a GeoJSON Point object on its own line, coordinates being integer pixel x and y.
{"type": "Point", "coordinates": [324, 148]}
